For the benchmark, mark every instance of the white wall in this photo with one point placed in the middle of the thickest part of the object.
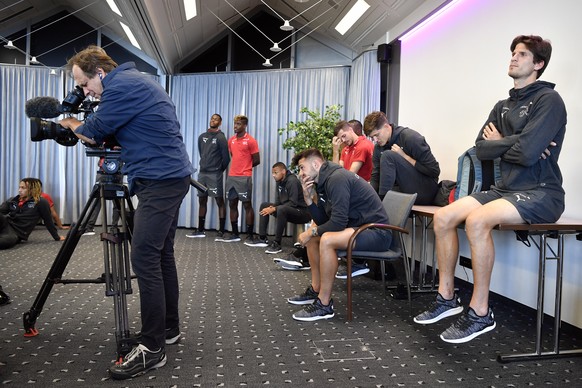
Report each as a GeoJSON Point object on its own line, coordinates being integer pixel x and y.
{"type": "Point", "coordinates": [454, 71]}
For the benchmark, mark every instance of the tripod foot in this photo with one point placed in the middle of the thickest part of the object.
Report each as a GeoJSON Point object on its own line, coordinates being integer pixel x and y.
{"type": "Point", "coordinates": [31, 332]}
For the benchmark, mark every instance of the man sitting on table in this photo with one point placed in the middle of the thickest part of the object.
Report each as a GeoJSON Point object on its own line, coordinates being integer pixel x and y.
{"type": "Point", "coordinates": [519, 130]}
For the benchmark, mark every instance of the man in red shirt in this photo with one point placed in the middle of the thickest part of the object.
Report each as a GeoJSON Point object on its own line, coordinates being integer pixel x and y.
{"type": "Point", "coordinates": [356, 155]}
{"type": "Point", "coordinates": [244, 152]}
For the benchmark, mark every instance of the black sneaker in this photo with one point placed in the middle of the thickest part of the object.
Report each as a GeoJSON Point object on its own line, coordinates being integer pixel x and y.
{"type": "Point", "coordinates": [439, 309]}
{"type": "Point", "coordinates": [275, 247]}
{"type": "Point", "coordinates": [4, 298]}
{"type": "Point", "coordinates": [196, 233]}
{"type": "Point", "coordinates": [89, 232]}
{"type": "Point", "coordinates": [315, 312]}
{"type": "Point", "coordinates": [357, 270]}
{"type": "Point", "coordinates": [469, 326]}
{"type": "Point", "coordinates": [173, 336]}
{"type": "Point", "coordinates": [228, 238]}
{"type": "Point", "coordinates": [254, 241]}
{"type": "Point", "coordinates": [137, 362]}
{"type": "Point", "coordinates": [308, 297]}
{"type": "Point", "coordinates": [220, 234]}
{"type": "Point", "coordinates": [292, 263]}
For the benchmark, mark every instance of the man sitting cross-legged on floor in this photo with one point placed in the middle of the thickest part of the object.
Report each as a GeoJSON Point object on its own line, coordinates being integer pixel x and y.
{"type": "Point", "coordinates": [344, 202]}
{"type": "Point", "coordinates": [289, 206]}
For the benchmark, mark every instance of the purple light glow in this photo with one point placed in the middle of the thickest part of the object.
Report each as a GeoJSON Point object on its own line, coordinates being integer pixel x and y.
{"type": "Point", "coordinates": [444, 16]}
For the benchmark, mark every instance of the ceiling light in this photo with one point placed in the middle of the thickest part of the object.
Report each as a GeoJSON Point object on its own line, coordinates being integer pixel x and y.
{"type": "Point", "coordinates": [130, 35]}
{"type": "Point", "coordinates": [113, 7]}
{"type": "Point", "coordinates": [267, 63]}
{"type": "Point", "coordinates": [53, 72]}
{"type": "Point", "coordinates": [9, 45]}
{"type": "Point", "coordinates": [301, 1]}
{"type": "Point", "coordinates": [275, 47]}
{"type": "Point", "coordinates": [286, 26]}
{"type": "Point", "coordinates": [190, 9]}
{"type": "Point", "coordinates": [34, 61]}
{"type": "Point", "coordinates": [352, 16]}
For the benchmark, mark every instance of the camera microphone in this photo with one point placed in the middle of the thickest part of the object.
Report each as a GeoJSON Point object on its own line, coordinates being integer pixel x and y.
{"type": "Point", "coordinates": [43, 107]}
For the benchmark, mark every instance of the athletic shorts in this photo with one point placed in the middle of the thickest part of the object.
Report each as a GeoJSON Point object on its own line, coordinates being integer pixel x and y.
{"type": "Point", "coordinates": [374, 240]}
{"type": "Point", "coordinates": [534, 207]}
{"type": "Point", "coordinates": [240, 187]}
{"type": "Point", "coordinates": [214, 181]}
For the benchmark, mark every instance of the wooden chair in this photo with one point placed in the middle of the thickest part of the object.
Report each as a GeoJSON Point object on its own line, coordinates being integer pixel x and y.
{"type": "Point", "coordinates": [398, 206]}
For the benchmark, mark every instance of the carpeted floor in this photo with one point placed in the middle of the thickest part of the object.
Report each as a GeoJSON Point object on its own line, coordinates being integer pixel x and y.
{"type": "Point", "coordinates": [238, 331]}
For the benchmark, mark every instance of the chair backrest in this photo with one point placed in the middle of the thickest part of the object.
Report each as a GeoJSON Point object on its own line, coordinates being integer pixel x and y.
{"type": "Point", "coordinates": [398, 206]}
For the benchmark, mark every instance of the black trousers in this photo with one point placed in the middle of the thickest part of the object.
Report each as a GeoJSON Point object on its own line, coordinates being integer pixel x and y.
{"type": "Point", "coordinates": [284, 214]}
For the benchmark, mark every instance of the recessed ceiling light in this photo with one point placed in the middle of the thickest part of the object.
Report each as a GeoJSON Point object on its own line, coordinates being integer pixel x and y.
{"type": "Point", "coordinates": [130, 35]}
{"type": "Point", "coordinates": [352, 16]}
{"type": "Point", "coordinates": [113, 7]}
{"type": "Point", "coordinates": [190, 9]}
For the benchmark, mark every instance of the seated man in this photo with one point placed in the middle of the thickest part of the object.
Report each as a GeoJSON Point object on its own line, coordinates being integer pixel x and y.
{"type": "Point", "coordinates": [54, 213]}
{"type": "Point", "coordinates": [20, 214]}
{"type": "Point", "coordinates": [518, 130]}
{"type": "Point", "coordinates": [402, 160]}
{"type": "Point", "coordinates": [344, 202]}
{"type": "Point", "coordinates": [289, 206]}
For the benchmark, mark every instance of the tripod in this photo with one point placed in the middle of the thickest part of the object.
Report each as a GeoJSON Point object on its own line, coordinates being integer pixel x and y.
{"type": "Point", "coordinates": [117, 276]}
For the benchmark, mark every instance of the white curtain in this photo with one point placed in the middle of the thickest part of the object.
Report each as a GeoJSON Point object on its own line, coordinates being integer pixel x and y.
{"type": "Point", "coordinates": [364, 93]}
{"type": "Point", "coordinates": [270, 99]}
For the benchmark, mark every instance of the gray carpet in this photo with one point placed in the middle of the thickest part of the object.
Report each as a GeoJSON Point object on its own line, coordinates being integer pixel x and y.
{"type": "Point", "coordinates": [238, 331]}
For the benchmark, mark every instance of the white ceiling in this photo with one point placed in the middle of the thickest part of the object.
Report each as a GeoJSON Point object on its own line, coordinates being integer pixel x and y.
{"type": "Point", "coordinates": [166, 37]}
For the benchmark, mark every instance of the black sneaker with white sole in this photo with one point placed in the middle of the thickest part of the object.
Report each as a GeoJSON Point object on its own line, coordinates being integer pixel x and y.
{"type": "Point", "coordinates": [308, 297]}
{"type": "Point", "coordinates": [137, 362]}
{"type": "Point", "coordinates": [228, 238]}
{"type": "Point", "coordinates": [274, 248]}
{"type": "Point", "coordinates": [439, 309]}
{"type": "Point", "coordinates": [315, 312]}
{"type": "Point", "coordinates": [357, 270]}
{"type": "Point", "coordinates": [469, 326]}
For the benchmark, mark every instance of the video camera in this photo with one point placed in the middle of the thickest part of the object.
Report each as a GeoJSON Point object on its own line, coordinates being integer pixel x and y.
{"type": "Point", "coordinates": [48, 107]}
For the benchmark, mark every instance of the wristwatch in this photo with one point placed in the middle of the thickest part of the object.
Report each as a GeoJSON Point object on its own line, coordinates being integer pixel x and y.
{"type": "Point", "coordinates": [314, 231]}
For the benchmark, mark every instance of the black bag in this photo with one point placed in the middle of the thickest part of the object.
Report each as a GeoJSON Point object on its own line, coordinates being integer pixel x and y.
{"type": "Point", "coordinates": [442, 197]}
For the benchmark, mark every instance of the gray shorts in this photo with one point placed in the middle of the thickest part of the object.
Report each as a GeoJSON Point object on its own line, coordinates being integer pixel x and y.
{"type": "Point", "coordinates": [214, 181]}
{"type": "Point", "coordinates": [240, 187]}
{"type": "Point", "coordinates": [535, 206]}
{"type": "Point", "coordinates": [374, 240]}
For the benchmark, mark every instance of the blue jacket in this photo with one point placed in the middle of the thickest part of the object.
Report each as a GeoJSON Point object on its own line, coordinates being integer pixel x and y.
{"type": "Point", "coordinates": [141, 115]}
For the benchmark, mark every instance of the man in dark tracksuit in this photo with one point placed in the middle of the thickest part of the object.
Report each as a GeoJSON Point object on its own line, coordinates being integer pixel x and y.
{"type": "Point", "coordinates": [520, 130]}
{"type": "Point", "coordinates": [289, 206]}
{"type": "Point", "coordinates": [344, 202]}
{"type": "Point", "coordinates": [214, 159]}
{"type": "Point", "coordinates": [402, 160]}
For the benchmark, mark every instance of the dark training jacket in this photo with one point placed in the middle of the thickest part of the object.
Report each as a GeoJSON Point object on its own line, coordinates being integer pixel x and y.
{"type": "Point", "coordinates": [528, 120]}
{"type": "Point", "coordinates": [24, 219]}
{"type": "Point", "coordinates": [344, 200]}
{"type": "Point", "coordinates": [290, 192]}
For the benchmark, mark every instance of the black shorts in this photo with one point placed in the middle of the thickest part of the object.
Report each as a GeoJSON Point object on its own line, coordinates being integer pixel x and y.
{"type": "Point", "coordinates": [240, 187]}
{"type": "Point", "coordinates": [534, 207]}
{"type": "Point", "coordinates": [214, 181]}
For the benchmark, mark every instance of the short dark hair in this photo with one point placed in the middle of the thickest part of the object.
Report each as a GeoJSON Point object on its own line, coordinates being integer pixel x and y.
{"type": "Point", "coordinates": [308, 153]}
{"type": "Point", "coordinates": [280, 165]}
{"type": "Point", "coordinates": [540, 48]}
{"type": "Point", "coordinates": [242, 118]}
{"type": "Point", "coordinates": [356, 126]}
{"type": "Point", "coordinates": [373, 121]}
{"type": "Point", "coordinates": [219, 116]}
{"type": "Point", "coordinates": [341, 125]}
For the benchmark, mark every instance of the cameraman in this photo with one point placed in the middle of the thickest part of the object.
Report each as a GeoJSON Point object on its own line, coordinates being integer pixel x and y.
{"type": "Point", "coordinates": [140, 114]}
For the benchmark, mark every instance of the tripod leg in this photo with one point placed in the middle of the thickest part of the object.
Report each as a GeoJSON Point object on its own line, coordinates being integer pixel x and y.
{"type": "Point", "coordinates": [59, 265]}
{"type": "Point", "coordinates": [118, 278]}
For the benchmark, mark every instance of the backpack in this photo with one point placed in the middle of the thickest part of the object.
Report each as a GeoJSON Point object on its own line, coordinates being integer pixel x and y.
{"type": "Point", "coordinates": [474, 175]}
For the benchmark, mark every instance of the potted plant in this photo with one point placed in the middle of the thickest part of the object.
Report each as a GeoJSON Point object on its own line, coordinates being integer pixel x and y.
{"type": "Point", "coordinates": [315, 132]}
